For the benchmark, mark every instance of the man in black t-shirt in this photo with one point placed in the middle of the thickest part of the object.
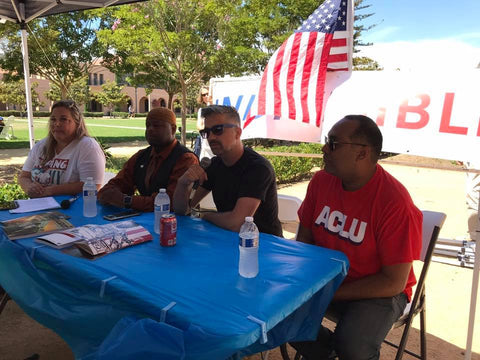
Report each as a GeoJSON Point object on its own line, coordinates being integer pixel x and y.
{"type": "Point", "coordinates": [242, 182]}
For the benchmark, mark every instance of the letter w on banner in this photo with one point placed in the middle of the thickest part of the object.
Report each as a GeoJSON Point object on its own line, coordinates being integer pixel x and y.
{"type": "Point", "coordinates": [301, 74]}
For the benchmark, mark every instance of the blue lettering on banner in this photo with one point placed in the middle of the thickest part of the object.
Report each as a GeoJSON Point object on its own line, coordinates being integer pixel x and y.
{"type": "Point", "coordinates": [227, 102]}
{"type": "Point", "coordinates": [335, 221]}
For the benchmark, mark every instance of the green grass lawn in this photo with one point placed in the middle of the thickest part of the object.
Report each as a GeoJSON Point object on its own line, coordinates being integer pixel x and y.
{"type": "Point", "coordinates": [108, 131]}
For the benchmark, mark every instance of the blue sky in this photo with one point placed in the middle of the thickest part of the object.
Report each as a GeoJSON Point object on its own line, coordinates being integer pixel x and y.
{"type": "Point", "coordinates": [438, 31]}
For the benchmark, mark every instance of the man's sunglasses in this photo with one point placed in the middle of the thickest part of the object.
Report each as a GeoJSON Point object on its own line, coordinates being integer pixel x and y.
{"type": "Point", "coordinates": [216, 130]}
{"type": "Point", "coordinates": [332, 144]}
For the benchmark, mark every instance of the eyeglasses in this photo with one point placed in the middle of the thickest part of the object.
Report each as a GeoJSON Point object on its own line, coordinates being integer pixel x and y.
{"type": "Point", "coordinates": [216, 130]}
{"type": "Point", "coordinates": [62, 120]}
{"type": "Point", "coordinates": [332, 144]}
{"type": "Point", "coordinates": [205, 94]}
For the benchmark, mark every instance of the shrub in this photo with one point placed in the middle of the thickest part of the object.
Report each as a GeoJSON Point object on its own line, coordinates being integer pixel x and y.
{"type": "Point", "coordinates": [93, 114]}
{"type": "Point", "coordinates": [6, 113]}
{"type": "Point", "coordinates": [142, 115]}
{"type": "Point", "coordinates": [293, 168]}
{"type": "Point", "coordinates": [10, 192]}
{"type": "Point", "coordinates": [41, 113]}
{"type": "Point", "coordinates": [120, 114]}
{"type": "Point", "coordinates": [115, 163]}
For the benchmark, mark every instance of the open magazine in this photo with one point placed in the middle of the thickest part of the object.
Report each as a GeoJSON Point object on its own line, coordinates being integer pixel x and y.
{"type": "Point", "coordinates": [99, 239]}
{"type": "Point", "coordinates": [35, 225]}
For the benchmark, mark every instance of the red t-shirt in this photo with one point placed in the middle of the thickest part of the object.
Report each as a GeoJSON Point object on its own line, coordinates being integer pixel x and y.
{"type": "Point", "coordinates": [377, 225]}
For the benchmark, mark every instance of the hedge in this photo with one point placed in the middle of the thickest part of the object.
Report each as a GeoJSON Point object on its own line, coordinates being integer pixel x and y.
{"type": "Point", "coordinates": [293, 168]}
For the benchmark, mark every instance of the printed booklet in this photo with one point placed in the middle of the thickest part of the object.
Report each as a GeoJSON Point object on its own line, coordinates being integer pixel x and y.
{"type": "Point", "coordinates": [99, 239]}
{"type": "Point", "coordinates": [35, 225]}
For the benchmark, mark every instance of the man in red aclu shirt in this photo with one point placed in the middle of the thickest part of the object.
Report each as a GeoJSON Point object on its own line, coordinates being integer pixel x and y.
{"type": "Point", "coordinates": [356, 207]}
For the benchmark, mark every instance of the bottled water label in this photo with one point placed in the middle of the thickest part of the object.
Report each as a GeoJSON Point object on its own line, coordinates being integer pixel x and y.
{"type": "Point", "coordinates": [248, 242]}
{"type": "Point", "coordinates": [90, 192]}
{"type": "Point", "coordinates": [164, 208]}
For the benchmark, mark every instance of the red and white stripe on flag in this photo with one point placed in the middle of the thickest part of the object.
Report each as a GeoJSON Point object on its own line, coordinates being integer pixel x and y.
{"type": "Point", "coordinates": [293, 83]}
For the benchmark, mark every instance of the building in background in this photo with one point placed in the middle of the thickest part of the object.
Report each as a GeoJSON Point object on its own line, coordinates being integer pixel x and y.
{"type": "Point", "coordinates": [138, 98]}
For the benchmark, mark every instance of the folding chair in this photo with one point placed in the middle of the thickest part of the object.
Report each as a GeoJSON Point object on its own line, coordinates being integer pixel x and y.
{"type": "Point", "coordinates": [288, 207]}
{"type": "Point", "coordinates": [432, 223]}
{"type": "Point", "coordinates": [7, 131]}
{"type": "Point", "coordinates": [107, 177]}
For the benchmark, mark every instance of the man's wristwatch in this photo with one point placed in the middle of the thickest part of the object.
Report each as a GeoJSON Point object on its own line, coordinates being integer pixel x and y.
{"type": "Point", "coordinates": [127, 201]}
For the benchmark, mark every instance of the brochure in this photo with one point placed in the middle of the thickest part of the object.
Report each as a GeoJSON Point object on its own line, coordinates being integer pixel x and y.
{"type": "Point", "coordinates": [37, 204]}
{"type": "Point", "coordinates": [36, 225]}
{"type": "Point", "coordinates": [99, 239]}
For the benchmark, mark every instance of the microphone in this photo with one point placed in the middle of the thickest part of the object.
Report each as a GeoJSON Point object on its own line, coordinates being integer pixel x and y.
{"type": "Point", "coordinates": [204, 164]}
{"type": "Point", "coordinates": [65, 204]}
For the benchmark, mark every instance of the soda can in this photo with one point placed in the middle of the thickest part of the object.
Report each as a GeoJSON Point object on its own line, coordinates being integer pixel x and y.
{"type": "Point", "coordinates": [168, 230]}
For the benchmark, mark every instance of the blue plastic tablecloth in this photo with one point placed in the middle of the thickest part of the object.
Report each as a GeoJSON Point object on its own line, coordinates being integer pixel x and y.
{"type": "Point", "coordinates": [183, 302]}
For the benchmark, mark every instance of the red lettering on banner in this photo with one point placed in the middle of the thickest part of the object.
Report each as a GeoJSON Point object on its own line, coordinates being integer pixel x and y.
{"type": "Point", "coordinates": [445, 126]}
{"type": "Point", "coordinates": [417, 109]}
{"type": "Point", "coordinates": [381, 116]}
{"type": "Point", "coordinates": [478, 130]}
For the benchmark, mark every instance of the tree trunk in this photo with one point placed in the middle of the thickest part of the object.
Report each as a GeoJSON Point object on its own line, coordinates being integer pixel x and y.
{"type": "Point", "coordinates": [63, 92]}
{"type": "Point", "coordinates": [184, 113]}
{"type": "Point", "coordinates": [170, 101]}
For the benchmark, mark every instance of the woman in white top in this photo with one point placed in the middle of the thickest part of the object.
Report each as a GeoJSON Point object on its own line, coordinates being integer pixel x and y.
{"type": "Point", "coordinates": [60, 163]}
{"type": "Point", "coordinates": [204, 99]}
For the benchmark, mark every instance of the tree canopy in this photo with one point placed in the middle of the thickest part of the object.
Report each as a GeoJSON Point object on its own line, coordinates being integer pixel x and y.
{"type": "Point", "coordinates": [62, 48]}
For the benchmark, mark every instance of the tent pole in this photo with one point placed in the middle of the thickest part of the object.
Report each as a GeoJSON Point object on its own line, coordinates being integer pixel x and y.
{"type": "Point", "coordinates": [473, 298]}
{"type": "Point", "coordinates": [28, 88]}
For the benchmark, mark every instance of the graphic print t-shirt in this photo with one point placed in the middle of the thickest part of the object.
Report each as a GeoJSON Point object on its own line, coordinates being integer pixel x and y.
{"type": "Point", "coordinates": [375, 226]}
{"type": "Point", "coordinates": [80, 159]}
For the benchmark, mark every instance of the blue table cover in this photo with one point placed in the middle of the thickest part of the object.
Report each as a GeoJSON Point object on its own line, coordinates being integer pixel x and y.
{"type": "Point", "coordinates": [181, 302]}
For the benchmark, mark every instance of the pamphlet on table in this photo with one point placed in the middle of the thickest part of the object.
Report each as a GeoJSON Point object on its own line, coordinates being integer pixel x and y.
{"type": "Point", "coordinates": [36, 225]}
{"type": "Point", "coordinates": [38, 204]}
{"type": "Point", "coordinates": [95, 239]}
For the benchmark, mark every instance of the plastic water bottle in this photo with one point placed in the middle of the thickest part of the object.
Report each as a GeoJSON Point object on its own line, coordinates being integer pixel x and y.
{"type": "Point", "coordinates": [162, 206]}
{"type": "Point", "coordinates": [89, 198]}
{"type": "Point", "coordinates": [248, 248]}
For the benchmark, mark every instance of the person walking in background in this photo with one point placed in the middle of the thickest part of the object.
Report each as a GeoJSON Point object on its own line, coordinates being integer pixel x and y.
{"type": "Point", "coordinates": [131, 114]}
{"type": "Point", "coordinates": [158, 166]}
{"type": "Point", "coordinates": [60, 163]}
{"type": "Point", "coordinates": [356, 207]}
{"type": "Point", "coordinates": [242, 182]}
{"type": "Point", "coordinates": [2, 124]}
{"type": "Point", "coordinates": [201, 147]}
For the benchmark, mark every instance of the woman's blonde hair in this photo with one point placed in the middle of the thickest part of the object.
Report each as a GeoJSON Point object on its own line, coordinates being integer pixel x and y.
{"type": "Point", "coordinates": [48, 152]}
{"type": "Point", "coordinates": [200, 97]}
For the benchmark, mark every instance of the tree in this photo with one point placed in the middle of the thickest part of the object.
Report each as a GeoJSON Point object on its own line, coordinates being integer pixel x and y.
{"type": "Point", "coordinates": [61, 48]}
{"type": "Point", "coordinates": [111, 95]}
{"type": "Point", "coordinates": [13, 92]}
{"type": "Point", "coordinates": [365, 63]}
{"type": "Point", "coordinates": [176, 43]}
{"type": "Point", "coordinates": [78, 92]}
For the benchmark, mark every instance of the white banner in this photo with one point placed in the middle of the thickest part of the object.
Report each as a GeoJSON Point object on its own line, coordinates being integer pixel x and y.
{"type": "Point", "coordinates": [427, 114]}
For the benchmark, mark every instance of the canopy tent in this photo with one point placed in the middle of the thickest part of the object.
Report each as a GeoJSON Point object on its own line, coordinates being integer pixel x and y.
{"type": "Point", "coordinates": [24, 11]}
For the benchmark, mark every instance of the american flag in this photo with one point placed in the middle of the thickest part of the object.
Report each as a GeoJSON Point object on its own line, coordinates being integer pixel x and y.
{"type": "Point", "coordinates": [293, 83]}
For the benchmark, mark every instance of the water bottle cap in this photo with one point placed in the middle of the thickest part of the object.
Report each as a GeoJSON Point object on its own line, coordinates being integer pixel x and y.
{"type": "Point", "coordinates": [249, 219]}
{"type": "Point", "coordinates": [162, 190]}
{"type": "Point", "coordinates": [89, 178]}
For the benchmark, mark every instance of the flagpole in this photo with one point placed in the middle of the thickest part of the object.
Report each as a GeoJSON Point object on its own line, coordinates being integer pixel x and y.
{"type": "Point", "coordinates": [473, 298]}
